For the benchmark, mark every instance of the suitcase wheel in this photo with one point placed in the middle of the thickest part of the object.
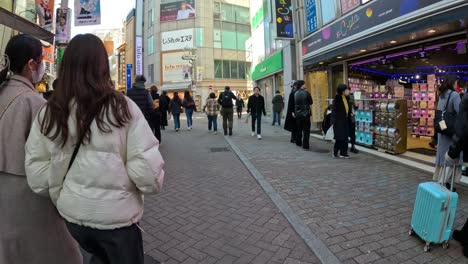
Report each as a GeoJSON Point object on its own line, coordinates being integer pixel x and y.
{"type": "Point", "coordinates": [411, 232]}
{"type": "Point", "coordinates": [445, 245]}
{"type": "Point", "coordinates": [427, 248]}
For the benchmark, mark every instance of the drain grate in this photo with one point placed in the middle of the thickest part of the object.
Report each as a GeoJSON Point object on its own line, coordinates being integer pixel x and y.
{"type": "Point", "coordinates": [220, 150]}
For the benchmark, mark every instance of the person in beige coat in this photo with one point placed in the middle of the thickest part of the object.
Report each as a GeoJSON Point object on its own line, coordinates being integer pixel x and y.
{"type": "Point", "coordinates": [31, 230]}
{"type": "Point", "coordinates": [93, 153]}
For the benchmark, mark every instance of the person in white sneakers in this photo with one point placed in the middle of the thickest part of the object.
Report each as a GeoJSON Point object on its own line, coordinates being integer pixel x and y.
{"type": "Point", "coordinates": [256, 107]}
{"type": "Point", "coordinates": [93, 153]}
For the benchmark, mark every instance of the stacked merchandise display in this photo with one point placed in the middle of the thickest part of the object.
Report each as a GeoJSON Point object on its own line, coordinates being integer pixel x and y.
{"type": "Point", "coordinates": [391, 125]}
{"type": "Point", "coordinates": [423, 108]}
{"type": "Point", "coordinates": [381, 117]}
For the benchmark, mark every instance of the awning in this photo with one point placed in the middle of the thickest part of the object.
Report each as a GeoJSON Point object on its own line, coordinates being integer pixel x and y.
{"type": "Point", "coordinates": [25, 26]}
{"type": "Point", "coordinates": [269, 66]}
{"type": "Point", "coordinates": [176, 86]}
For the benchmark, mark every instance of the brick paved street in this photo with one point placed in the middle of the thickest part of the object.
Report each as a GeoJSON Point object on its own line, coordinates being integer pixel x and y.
{"type": "Point", "coordinates": [360, 208]}
{"type": "Point", "coordinates": [212, 209]}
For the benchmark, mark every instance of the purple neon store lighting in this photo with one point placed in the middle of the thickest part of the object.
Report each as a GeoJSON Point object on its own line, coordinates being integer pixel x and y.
{"type": "Point", "coordinates": [400, 54]}
{"type": "Point", "coordinates": [366, 61]}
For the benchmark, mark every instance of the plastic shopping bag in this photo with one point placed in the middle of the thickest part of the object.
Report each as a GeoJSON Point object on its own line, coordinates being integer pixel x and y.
{"type": "Point", "coordinates": [330, 134]}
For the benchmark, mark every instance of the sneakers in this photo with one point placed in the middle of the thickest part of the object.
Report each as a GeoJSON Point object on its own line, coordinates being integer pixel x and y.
{"type": "Point", "coordinates": [189, 128]}
{"type": "Point", "coordinates": [345, 156]}
{"type": "Point", "coordinates": [215, 133]}
{"type": "Point", "coordinates": [259, 136]}
{"type": "Point", "coordinates": [253, 134]}
{"type": "Point", "coordinates": [176, 130]}
{"type": "Point", "coordinates": [225, 133]}
{"type": "Point", "coordinates": [335, 156]}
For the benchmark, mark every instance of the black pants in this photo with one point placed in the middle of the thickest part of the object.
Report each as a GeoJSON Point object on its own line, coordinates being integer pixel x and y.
{"type": "Point", "coordinates": [156, 124]}
{"type": "Point", "coordinates": [303, 132]}
{"type": "Point", "coordinates": [352, 133]}
{"type": "Point", "coordinates": [228, 116]}
{"type": "Point", "coordinates": [117, 246]}
{"type": "Point", "coordinates": [239, 113]}
{"type": "Point", "coordinates": [341, 146]}
{"type": "Point", "coordinates": [257, 119]}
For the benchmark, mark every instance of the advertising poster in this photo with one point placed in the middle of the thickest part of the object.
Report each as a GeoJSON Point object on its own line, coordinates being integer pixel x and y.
{"type": "Point", "coordinates": [348, 5]}
{"type": "Point", "coordinates": [318, 88]}
{"type": "Point", "coordinates": [284, 19]}
{"type": "Point", "coordinates": [45, 13]}
{"type": "Point", "coordinates": [62, 25]}
{"type": "Point", "coordinates": [87, 12]}
{"type": "Point", "coordinates": [175, 69]}
{"type": "Point", "coordinates": [311, 15]}
{"type": "Point", "coordinates": [176, 10]}
{"type": "Point", "coordinates": [177, 39]}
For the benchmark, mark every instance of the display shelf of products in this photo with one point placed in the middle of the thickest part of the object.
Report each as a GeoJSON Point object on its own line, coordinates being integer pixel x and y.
{"type": "Point", "coordinates": [423, 107]}
{"type": "Point", "coordinates": [382, 123]}
{"type": "Point", "coordinates": [361, 85]}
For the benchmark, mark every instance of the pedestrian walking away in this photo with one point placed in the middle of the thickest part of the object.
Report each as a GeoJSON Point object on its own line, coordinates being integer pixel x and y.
{"type": "Point", "coordinates": [256, 107]}
{"type": "Point", "coordinates": [278, 106]}
{"type": "Point", "coordinates": [449, 101]}
{"type": "Point", "coordinates": [189, 104]}
{"type": "Point", "coordinates": [164, 108]}
{"type": "Point", "coordinates": [175, 109]}
{"type": "Point", "coordinates": [302, 114]}
{"type": "Point", "coordinates": [31, 229]}
{"type": "Point", "coordinates": [225, 100]}
{"type": "Point", "coordinates": [239, 105]}
{"type": "Point", "coordinates": [211, 108]}
{"type": "Point", "coordinates": [341, 118]}
{"type": "Point", "coordinates": [453, 156]}
{"type": "Point", "coordinates": [290, 122]}
{"type": "Point", "coordinates": [89, 150]}
{"type": "Point", "coordinates": [156, 114]}
{"type": "Point", "coordinates": [142, 98]}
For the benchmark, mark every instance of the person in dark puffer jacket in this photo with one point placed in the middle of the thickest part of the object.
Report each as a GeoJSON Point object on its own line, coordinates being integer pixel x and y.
{"type": "Point", "coordinates": [460, 144]}
{"type": "Point", "coordinates": [142, 97]}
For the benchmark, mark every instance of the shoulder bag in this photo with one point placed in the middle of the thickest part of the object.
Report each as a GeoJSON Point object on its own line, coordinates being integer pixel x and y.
{"type": "Point", "coordinates": [444, 121]}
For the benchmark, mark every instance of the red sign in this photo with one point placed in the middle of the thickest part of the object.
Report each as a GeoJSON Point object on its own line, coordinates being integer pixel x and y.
{"type": "Point", "coordinates": [210, 87]}
{"type": "Point", "coordinates": [348, 5]}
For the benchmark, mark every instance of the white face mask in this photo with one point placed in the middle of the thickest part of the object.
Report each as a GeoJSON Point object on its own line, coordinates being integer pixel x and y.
{"type": "Point", "coordinates": [37, 75]}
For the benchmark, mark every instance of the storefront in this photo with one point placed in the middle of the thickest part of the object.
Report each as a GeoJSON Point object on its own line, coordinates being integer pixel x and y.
{"type": "Point", "coordinates": [393, 57]}
{"type": "Point", "coordinates": [269, 76]}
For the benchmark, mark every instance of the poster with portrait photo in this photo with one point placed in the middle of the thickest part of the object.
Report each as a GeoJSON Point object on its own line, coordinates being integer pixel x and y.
{"type": "Point", "coordinates": [87, 12]}
{"type": "Point", "coordinates": [172, 10]}
{"type": "Point", "coordinates": [62, 25]}
{"type": "Point", "coordinates": [45, 13]}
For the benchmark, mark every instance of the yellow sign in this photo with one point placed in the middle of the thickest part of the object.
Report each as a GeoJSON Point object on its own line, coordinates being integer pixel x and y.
{"type": "Point", "coordinates": [317, 84]}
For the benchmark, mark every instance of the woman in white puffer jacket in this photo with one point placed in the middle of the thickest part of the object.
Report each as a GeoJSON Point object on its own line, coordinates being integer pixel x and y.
{"type": "Point", "coordinates": [91, 150]}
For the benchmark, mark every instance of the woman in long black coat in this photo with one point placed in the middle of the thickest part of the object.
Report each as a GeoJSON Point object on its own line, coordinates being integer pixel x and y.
{"type": "Point", "coordinates": [290, 122]}
{"type": "Point", "coordinates": [341, 119]}
{"type": "Point", "coordinates": [155, 117]}
{"type": "Point", "coordinates": [164, 107]}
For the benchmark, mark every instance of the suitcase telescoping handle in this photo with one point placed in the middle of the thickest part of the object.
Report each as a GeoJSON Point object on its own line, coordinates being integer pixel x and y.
{"type": "Point", "coordinates": [444, 172]}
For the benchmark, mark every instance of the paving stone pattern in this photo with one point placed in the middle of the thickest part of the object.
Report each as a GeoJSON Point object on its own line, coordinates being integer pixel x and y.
{"type": "Point", "coordinates": [360, 208]}
{"type": "Point", "coordinates": [212, 210]}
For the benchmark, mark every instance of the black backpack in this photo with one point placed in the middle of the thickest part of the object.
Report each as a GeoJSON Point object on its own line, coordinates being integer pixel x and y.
{"type": "Point", "coordinates": [226, 99]}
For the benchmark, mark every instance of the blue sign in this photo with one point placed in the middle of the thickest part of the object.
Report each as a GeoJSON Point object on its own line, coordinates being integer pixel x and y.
{"type": "Point", "coordinates": [129, 76]}
{"type": "Point", "coordinates": [311, 16]}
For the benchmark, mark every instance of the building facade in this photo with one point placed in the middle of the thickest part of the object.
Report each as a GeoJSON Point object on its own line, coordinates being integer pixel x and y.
{"type": "Point", "coordinates": [197, 45]}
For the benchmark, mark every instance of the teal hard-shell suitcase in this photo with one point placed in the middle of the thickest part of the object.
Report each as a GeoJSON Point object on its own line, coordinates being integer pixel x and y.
{"type": "Point", "coordinates": [434, 213]}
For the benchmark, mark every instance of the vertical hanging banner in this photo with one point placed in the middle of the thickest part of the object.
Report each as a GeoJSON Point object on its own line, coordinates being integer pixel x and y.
{"type": "Point", "coordinates": [138, 55]}
{"type": "Point", "coordinates": [311, 16]}
{"type": "Point", "coordinates": [284, 19]}
{"type": "Point", "coordinates": [62, 25]}
{"type": "Point", "coordinates": [128, 76]}
{"type": "Point", "coordinates": [45, 13]}
{"type": "Point", "coordinates": [87, 12]}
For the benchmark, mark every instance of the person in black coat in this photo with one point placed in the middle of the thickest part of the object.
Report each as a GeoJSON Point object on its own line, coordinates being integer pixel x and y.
{"type": "Point", "coordinates": [239, 104]}
{"type": "Point", "coordinates": [460, 144]}
{"type": "Point", "coordinates": [290, 122]}
{"type": "Point", "coordinates": [341, 119]}
{"type": "Point", "coordinates": [163, 108]}
{"type": "Point", "coordinates": [142, 97]}
{"type": "Point", "coordinates": [302, 114]}
{"type": "Point", "coordinates": [156, 114]}
{"type": "Point", "coordinates": [256, 107]}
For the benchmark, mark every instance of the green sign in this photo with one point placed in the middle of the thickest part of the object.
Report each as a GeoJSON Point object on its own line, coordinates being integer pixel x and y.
{"type": "Point", "coordinates": [271, 65]}
{"type": "Point", "coordinates": [60, 52]}
{"type": "Point", "coordinates": [258, 18]}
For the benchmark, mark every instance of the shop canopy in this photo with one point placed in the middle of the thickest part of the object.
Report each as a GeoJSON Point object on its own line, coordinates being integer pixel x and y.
{"type": "Point", "coordinates": [25, 26]}
{"type": "Point", "coordinates": [271, 65]}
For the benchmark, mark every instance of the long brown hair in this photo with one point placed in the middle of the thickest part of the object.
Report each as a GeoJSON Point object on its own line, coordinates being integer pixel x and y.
{"type": "Point", "coordinates": [85, 81]}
